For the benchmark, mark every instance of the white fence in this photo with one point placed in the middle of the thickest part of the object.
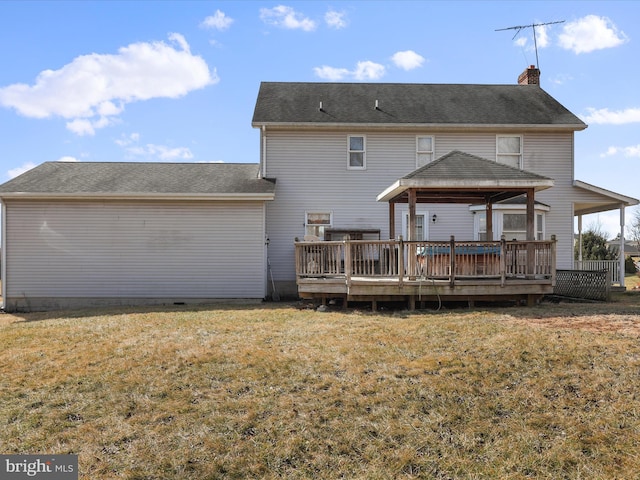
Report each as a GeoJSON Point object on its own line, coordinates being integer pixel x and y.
{"type": "Point", "coordinates": [612, 266]}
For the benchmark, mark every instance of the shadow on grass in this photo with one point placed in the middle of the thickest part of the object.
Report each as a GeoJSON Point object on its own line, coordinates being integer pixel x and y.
{"type": "Point", "coordinates": [89, 312]}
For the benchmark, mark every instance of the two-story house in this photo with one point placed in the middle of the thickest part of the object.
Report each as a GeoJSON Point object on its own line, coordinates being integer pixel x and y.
{"type": "Point", "coordinates": [400, 168]}
{"type": "Point", "coordinates": [337, 149]}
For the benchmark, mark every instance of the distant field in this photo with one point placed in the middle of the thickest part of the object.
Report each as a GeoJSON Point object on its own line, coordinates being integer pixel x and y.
{"type": "Point", "coordinates": [277, 391]}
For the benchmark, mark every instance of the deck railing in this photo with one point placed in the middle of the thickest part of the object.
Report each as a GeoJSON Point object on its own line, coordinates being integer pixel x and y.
{"type": "Point", "coordinates": [438, 260]}
{"type": "Point", "coordinates": [612, 266]}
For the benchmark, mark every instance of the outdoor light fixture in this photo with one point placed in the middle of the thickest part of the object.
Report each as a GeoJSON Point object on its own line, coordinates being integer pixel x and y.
{"type": "Point", "coordinates": [434, 218]}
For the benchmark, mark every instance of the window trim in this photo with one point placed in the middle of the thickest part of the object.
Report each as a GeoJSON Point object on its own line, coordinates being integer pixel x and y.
{"type": "Point", "coordinates": [324, 225]}
{"type": "Point", "coordinates": [431, 152]}
{"type": "Point", "coordinates": [363, 151]}
{"type": "Point", "coordinates": [520, 154]}
{"type": "Point", "coordinates": [498, 221]}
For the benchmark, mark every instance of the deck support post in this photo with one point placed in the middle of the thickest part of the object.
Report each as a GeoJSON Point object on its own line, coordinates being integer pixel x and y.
{"type": "Point", "coordinates": [412, 303]}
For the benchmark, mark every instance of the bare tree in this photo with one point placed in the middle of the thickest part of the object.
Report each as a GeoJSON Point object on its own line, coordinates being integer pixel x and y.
{"type": "Point", "coordinates": [634, 228]}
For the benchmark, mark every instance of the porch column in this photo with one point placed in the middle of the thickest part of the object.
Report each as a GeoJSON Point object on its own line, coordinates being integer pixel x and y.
{"type": "Point", "coordinates": [489, 220]}
{"type": "Point", "coordinates": [531, 216]}
{"type": "Point", "coordinates": [531, 233]}
{"type": "Point", "coordinates": [412, 214]}
{"type": "Point", "coordinates": [580, 240]}
{"type": "Point", "coordinates": [411, 252]}
{"type": "Point", "coordinates": [621, 259]}
{"type": "Point", "coordinates": [392, 220]}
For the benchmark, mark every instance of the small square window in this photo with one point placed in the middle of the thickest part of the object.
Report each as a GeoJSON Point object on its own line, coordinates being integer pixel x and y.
{"type": "Point", "coordinates": [357, 160]}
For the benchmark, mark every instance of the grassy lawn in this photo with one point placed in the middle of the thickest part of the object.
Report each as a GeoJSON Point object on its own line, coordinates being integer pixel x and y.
{"type": "Point", "coordinates": [276, 391]}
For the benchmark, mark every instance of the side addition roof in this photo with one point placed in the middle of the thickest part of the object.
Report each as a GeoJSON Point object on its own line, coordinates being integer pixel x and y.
{"type": "Point", "coordinates": [460, 177]}
{"type": "Point", "coordinates": [394, 104]}
{"type": "Point", "coordinates": [184, 181]}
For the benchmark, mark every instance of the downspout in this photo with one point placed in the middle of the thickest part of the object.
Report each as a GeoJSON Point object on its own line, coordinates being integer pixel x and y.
{"type": "Point", "coordinates": [264, 152]}
{"type": "Point", "coordinates": [621, 259]}
{"type": "Point", "coordinates": [3, 271]}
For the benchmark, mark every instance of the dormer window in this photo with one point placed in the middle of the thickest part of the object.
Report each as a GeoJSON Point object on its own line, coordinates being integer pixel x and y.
{"type": "Point", "coordinates": [357, 158]}
{"type": "Point", "coordinates": [509, 150]}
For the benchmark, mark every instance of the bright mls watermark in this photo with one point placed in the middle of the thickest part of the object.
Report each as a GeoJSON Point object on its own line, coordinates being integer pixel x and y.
{"type": "Point", "coordinates": [46, 467]}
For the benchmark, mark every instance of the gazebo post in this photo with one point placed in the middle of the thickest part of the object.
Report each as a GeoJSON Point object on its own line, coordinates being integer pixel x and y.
{"type": "Point", "coordinates": [531, 232]}
{"type": "Point", "coordinates": [489, 219]}
{"type": "Point", "coordinates": [392, 220]}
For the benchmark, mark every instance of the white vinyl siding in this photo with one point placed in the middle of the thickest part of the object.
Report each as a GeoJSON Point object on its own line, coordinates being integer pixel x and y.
{"type": "Point", "coordinates": [309, 167]}
{"type": "Point", "coordinates": [135, 250]}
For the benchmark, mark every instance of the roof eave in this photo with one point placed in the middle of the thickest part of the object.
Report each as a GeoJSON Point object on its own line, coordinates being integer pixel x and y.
{"type": "Point", "coordinates": [429, 126]}
{"type": "Point", "coordinates": [403, 184]}
{"type": "Point", "coordinates": [138, 196]}
{"type": "Point", "coordinates": [628, 201]}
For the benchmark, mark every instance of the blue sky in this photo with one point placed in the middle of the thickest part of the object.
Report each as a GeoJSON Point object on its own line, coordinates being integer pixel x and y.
{"type": "Point", "coordinates": [177, 81]}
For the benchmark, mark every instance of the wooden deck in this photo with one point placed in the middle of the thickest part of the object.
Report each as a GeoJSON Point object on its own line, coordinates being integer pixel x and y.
{"type": "Point", "coordinates": [392, 270]}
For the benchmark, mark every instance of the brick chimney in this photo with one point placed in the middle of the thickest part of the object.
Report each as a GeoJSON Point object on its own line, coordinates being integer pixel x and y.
{"type": "Point", "coordinates": [531, 76]}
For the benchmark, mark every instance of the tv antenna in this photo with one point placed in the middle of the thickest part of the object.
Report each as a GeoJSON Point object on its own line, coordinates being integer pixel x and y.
{"type": "Point", "coordinates": [533, 26]}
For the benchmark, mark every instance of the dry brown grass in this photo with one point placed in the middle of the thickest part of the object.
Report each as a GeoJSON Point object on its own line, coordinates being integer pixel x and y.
{"type": "Point", "coordinates": [279, 392]}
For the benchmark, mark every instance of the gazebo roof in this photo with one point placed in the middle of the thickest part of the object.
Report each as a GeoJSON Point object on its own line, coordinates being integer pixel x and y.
{"type": "Point", "coordinates": [460, 177]}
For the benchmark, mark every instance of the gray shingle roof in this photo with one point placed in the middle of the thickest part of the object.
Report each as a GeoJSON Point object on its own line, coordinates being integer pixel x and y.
{"type": "Point", "coordinates": [139, 179]}
{"type": "Point", "coordinates": [409, 104]}
{"type": "Point", "coordinates": [457, 165]}
{"type": "Point", "coordinates": [460, 177]}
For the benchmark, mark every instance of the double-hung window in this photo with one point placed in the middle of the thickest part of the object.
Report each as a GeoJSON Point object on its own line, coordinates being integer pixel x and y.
{"type": "Point", "coordinates": [357, 158]}
{"type": "Point", "coordinates": [424, 150]}
{"type": "Point", "coordinates": [509, 150]}
{"type": "Point", "coordinates": [316, 222]}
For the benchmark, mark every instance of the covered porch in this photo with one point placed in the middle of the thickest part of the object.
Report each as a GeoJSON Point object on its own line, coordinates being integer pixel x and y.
{"type": "Point", "coordinates": [592, 199]}
{"type": "Point", "coordinates": [418, 270]}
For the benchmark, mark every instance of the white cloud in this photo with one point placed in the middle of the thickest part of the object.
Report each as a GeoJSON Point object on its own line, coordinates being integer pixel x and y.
{"type": "Point", "coordinates": [407, 60]}
{"type": "Point", "coordinates": [366, 70]}
{"type": "Point", "coordinates": [286, 17]}
{"type": "Point", "coordinates": [67, 158]}
{"type": "Point", "coordinates": [331, 73]}
{"type": "Point", "coordinates": [605, 117]}
{"type": "Point", "coordinates": [542, 36]}
{"type": "Point", "coordinates": [218, 21]}
{"type": "Point", "coordinates": [632, 151]}
{"type": "Point", "coordinates": [591, 33]}
{"type": "Point", "coordinates": [150, 150]}
{"type": "Point", "coordinates": [335, 19]}
{"type": "Point", "coordinates": [369, 71]}
{"type": "Point", "coordinates": [14, 172]}
{"type": "Point", "coordinates": [92, 89]}
{"type": "Point", "coordinates": [126, 140]}
{"type": "Point", "coordinates": [561, 78]}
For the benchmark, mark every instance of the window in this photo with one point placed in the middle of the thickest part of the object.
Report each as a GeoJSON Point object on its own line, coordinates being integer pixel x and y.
{"type": "Point", "coordinates": [539, 226]}
{"type": "Point", "coordinates": [357, 160]}
{"type": "Point", "coordinates": [509, 150]}
{"type": "Point", "coordinates": [424, 151]}
{"type": "Point", "coordinates": [422, 225]}
{"type": "Point", "coordinates": [514, 226]}
{"type": "Point", "coordinates": [481, 218]}
{"type": "Point", "coordinates": [316, 222]}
